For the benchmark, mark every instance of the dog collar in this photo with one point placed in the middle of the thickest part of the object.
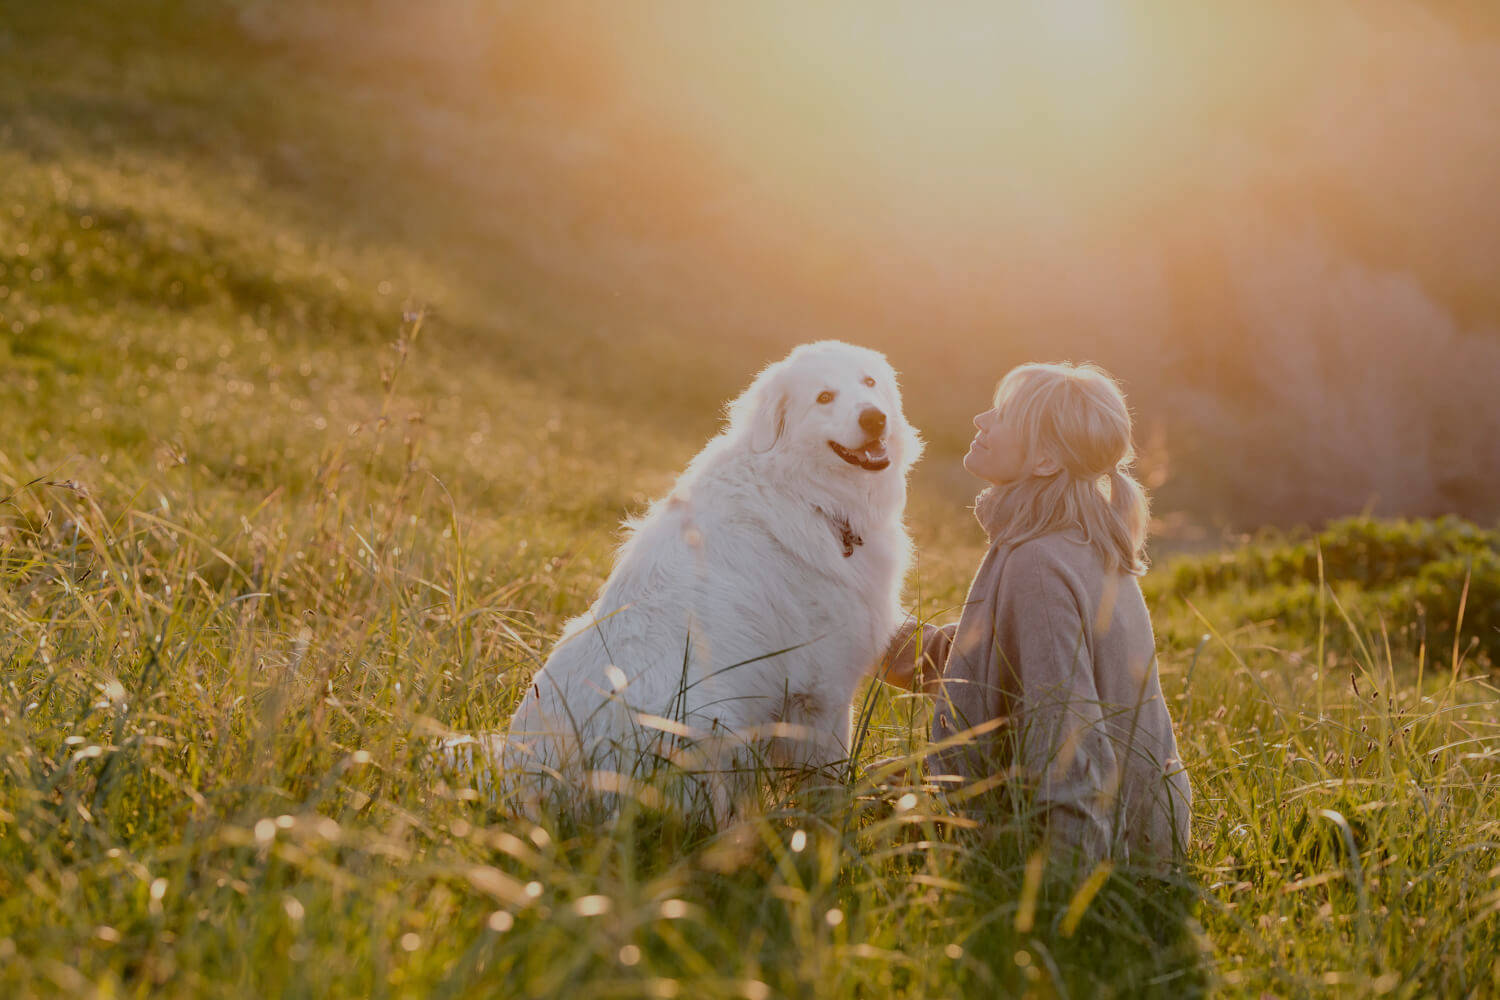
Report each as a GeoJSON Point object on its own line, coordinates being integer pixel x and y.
{"type": "Point", "coordinates": [840, 525]}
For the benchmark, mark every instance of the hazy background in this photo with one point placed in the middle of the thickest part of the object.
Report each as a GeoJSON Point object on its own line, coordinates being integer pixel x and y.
{"type": "Point", "coordinates": [1277, 222]}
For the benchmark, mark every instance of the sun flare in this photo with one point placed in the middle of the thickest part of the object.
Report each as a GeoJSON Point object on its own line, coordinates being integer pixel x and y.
{"type": "Point", "coordinates": [962, 109]}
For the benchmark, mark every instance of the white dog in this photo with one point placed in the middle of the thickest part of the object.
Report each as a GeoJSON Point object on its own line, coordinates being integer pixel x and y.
{"type": "Point", "coordinates": [747, 604]}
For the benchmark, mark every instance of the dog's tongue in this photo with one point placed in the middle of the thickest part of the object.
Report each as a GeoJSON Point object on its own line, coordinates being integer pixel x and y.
{"type": "Point", "coordinates": [871, 457]}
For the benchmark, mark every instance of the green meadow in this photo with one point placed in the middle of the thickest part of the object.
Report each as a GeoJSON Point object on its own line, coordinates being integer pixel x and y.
{"type": "Point", "coordinates": [305, 462]}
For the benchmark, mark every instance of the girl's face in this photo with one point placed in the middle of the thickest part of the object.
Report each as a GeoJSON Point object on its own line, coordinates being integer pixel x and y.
{"type": "Point", "coordinates": [997, 454]}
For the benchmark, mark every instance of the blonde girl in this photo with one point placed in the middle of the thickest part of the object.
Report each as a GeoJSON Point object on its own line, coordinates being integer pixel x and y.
{"type": "Point", "coordinates": [1050, 675]}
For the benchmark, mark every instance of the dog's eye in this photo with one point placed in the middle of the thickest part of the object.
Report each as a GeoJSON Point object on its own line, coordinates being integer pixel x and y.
{"type": "Point", "coordinates": [869, 382]}
{"type": "Point", "coordinates": [826, 396]}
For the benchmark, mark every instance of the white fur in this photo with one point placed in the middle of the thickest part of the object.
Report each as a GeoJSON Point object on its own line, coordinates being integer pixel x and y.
{"type": "Point", "coordinates": [736, 563]}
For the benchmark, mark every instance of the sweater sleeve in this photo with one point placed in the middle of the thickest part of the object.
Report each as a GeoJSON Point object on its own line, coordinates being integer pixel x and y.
{"type": "Point", "coordinates": [1062, 746]}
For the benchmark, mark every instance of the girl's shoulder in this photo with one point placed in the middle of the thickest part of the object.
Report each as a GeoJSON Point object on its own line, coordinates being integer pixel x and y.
{"type": "Point", "coordinates": [1066, 568]}
{"type": "Point", "coordinates": [1058, 551]}
{"type": "Point", "coordinates": [1054, 563]}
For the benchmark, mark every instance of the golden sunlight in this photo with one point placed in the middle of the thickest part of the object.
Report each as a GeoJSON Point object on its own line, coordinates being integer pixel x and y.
{"type": "Point", "coordinates": [1228, 202]}
{"type": "Point", "coordinates": [927, 111]}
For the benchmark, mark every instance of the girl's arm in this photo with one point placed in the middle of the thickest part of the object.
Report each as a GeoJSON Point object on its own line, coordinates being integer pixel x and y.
{"type": "Point", "coordinates": [916, 655]}
{"type": "Point", "coordinates": [1061, 742]}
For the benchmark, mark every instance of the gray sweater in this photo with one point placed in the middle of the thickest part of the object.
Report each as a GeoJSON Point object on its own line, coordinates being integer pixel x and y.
{"type": "Point", "coordinates": [1063, 652]}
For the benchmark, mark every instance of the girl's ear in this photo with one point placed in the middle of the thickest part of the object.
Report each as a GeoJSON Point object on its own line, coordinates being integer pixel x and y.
{"type": "Point", "coordinates": [761, 410]}
{"type": "Point", "coordinates": [1045, 464]}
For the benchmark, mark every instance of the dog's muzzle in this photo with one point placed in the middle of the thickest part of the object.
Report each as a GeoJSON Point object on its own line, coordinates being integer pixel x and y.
{"type": "Point", "coordinates": [871, 456]}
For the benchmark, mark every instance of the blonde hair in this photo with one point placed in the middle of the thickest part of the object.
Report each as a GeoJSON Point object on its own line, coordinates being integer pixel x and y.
{"type": "Point", "coordinates": [1076, 415]}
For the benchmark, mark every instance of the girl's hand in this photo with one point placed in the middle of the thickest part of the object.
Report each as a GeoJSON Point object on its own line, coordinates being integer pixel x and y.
{"type": "Point", "coordinates": [915, 657]}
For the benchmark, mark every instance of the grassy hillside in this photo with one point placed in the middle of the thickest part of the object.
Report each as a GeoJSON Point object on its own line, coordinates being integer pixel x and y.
{"type": "Point", "coordinates": [303, 468]}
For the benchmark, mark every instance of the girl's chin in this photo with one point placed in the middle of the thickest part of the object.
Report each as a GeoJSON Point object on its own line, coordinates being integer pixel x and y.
{"type": "Point", "coordinates": [978, 471]}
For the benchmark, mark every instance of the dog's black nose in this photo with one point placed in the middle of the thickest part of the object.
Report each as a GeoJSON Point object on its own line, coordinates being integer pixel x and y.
{"type": "Point", "coordinates": [872, 421]}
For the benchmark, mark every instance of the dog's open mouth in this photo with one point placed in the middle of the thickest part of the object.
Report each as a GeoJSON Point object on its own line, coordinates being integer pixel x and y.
{"type": "Point", "coordinates": [871, 456]}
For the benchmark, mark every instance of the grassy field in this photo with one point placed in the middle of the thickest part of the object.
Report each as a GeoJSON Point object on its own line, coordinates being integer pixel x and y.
{"type": "Point", "coordinates": [295, 483]}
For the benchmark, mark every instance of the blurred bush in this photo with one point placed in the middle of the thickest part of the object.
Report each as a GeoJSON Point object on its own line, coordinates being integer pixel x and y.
{"type": "Point", "coordinates": [1412, 583]}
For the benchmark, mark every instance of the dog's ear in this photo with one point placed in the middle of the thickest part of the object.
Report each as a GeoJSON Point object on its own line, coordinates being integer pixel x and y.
{"type": "Point", "coordinates": [761, 410]}
{"type": "Point", "coordinates": [912, 445]}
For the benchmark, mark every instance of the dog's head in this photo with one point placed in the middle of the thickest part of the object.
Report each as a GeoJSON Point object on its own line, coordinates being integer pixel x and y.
{"type": "Point", "coordinates": [834, 406]}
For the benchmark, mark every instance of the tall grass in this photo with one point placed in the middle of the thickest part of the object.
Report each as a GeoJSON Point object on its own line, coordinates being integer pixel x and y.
{"type": "Point", "coordinates": [264, 541]}
{"type": "Point", "coordinates": [217, 781]}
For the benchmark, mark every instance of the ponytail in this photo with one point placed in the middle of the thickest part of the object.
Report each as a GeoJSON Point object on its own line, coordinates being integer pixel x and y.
{"type": "Point", "coordinates": [1130, 511]}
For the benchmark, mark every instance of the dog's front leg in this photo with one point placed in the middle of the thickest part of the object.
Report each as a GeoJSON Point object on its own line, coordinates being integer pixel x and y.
{"type": "Point", "coordinates": [825, 743]}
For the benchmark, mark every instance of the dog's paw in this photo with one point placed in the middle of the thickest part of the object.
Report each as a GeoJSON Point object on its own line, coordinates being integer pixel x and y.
{"type": "Point", "coordinates": [470, 762]}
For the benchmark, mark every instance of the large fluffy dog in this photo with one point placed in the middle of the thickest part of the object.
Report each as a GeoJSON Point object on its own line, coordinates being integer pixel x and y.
{"type": "Point", "coordinates": [745, 606]}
